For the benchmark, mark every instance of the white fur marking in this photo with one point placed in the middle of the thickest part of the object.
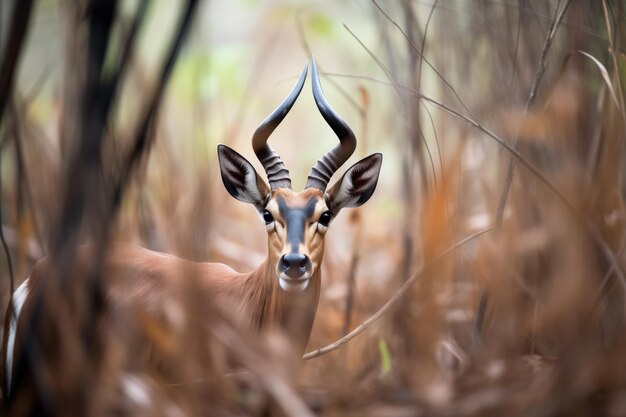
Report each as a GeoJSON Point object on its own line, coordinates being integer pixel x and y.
{"type": "Point", "coordinates": [19, 297]}
{"type": "Point", "coordinates": [252, 187]}
{"type": "Point", "coordinates": [294, 285]}
{"type": "Point", "coordinates": [345, 196]}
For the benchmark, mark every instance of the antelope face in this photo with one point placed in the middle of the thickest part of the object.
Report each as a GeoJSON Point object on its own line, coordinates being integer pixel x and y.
{"type": "Point", "coordinates": [296, 223]}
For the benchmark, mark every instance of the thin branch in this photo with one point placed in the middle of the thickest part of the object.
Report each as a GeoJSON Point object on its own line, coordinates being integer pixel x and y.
{"type": "Point", "coordinates": [440, 154]}
{"type": "Point", "coordinates": [554, 27]}
{"type": "Point", "coordinates": [428, 151]}
{"type": "Point", "coordinates": [473, 123]}
{"type": "Point", "coordinates": [19, 26]}
{"type": "Point", "coordinates": [530, 12]}
{"type": "Point", "coordinates": [24, 174]}
{"type": "Point", "coordinates": [597, 298]}
{"type": "Point", "coordinates": [393, 83]}
{"type": "Point", "coordinates": [541, 69]}
{"type": "Point", "coordinates": [608, 253]}
{"type": "Point", "coordinates": [395, 298]}
{"type": "Point", "coordinates": [616, 70]}
{"type": "Point", "coordinates": [307, 48]}
{"type": "Point", "coordinates": [446, 82]}
{"type": "Point", "coordinates": [354, 262]}
{"type": "Point", "coordinates": [233, 126]}
{"type": "Point", "coordinates": [85, 165]}
{"type": "Point", "coordinates": [423, 46]}
{"type": "Point", "coordinates": [515, 51]}
{"type": "Point", "coordinates": [142, 141]}
{"type": "Point", "coordinates": [7, 254]}
{"type": "Point", "coordinates": [419, 88]}
{"type": "Point", "coordinates": [111, 88]}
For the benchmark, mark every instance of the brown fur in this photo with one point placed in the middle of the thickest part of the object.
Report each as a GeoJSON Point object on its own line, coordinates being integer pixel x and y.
{"type": "Point", "coordinates": [139, 283]}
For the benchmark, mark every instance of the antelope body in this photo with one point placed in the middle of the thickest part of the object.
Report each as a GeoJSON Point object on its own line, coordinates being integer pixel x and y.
{"type": "Point", "coordinates": [283, 291]}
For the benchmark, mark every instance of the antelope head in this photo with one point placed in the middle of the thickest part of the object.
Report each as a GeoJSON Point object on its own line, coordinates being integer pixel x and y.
{"type": "Point", "coordinates": [297, 222]}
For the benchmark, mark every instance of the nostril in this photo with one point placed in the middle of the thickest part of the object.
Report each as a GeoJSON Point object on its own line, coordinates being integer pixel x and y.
{"type": "Point", "coordinates": [293, 259]}
{"type": "Point", "coordinates": [294, 265]}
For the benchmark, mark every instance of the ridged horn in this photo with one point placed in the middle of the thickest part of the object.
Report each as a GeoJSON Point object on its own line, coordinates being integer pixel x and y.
{"type": "Point", "coordinates": [325, 167]}
{"type": "Point", "coordinates": [277, 173]}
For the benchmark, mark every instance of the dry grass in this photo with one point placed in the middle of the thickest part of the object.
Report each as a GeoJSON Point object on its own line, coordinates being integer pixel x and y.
{"type": "Point", "coordinates": [527, 318]}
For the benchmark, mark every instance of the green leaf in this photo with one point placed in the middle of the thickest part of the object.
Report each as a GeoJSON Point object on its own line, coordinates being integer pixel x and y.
{"type": "Point", "coordinates": [385, 358]}
{"type": "Point", "coordinates": [321, 25]}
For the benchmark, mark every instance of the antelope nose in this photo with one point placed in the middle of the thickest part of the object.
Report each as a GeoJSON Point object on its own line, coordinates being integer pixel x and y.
{"type": "Point", "coordinates": [294, 265]}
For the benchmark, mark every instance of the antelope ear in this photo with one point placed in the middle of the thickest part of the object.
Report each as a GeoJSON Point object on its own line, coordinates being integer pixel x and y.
{"type": "Point", "coordinates": [357, 185]}
{"type": "Point", "coordinates": [240, 178]}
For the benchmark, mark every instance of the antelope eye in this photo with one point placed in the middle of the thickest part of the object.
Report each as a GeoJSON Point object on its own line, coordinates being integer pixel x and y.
{"type": "Point", "coordinates": [267, 216]}
{"type": "Point", "coordinates": [325, 218]}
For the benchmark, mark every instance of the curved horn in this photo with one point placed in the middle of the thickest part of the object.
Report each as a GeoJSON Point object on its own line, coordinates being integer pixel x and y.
{"type": "Point", "coordinates": [325, 167]}
{"type": "Point", "coordinates": [277, 173]}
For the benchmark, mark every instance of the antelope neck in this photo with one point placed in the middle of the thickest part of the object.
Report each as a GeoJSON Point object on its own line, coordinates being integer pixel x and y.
{"type": "Point", "coordinates": [272, 307]}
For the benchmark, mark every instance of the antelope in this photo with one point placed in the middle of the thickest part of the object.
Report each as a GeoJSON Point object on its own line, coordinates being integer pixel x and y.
{"type": "Point", "coordinates": [283, 292]}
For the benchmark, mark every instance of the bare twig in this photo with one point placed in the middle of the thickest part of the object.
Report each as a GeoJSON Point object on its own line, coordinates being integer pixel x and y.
{"type": "Point", "coordinates": [394, 83]}
{"type": "Point", "coordinates": [7, 254]}
{"type": "Point", "coordinates": [439, 151]}
{"type": "Point", "coordinates": [554, 26]}
{"type": "Point", "coordinates": [608, 253]}
{"type": "Point", "coordinates": [142, 139]}
{"type": "Point", "coordinates": [19, 26]}
{"type": "Point", "coordinates": [17, 33]}
{"type": "Point", "coordinates": [541, 68]}
{"type": "Point", "coordinates": [419, 88]}
{"type": "Point", "coordinates": [231, 130]}
{"type": "Point", "coordinates": [423, 47]}
{"type": "Point", "coordinates": [81, 175]}
{"type": "Point", "coordinates": [354, 262]}
{"type": "Point", "coordinates": [515, 50]}
{"type": "Point", "coordinates": [23, 174]}
{"type": "Point", "coordinates": [82, 205]}
{"type": "Point", "coordinates": [421, 54]}
{"type": "Point", "coordinates": [307, 48]}
{"type": "Point", "coordinates": [395, 298]}
{"type": "Point", "coordinates": [614, 52]}
{"type": "Point", "coordinates": [124, 58]}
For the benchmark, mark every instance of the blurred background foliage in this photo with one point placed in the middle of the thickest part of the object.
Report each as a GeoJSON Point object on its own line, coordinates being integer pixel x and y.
{"type": "Point", "coordinates": [505, 325]}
